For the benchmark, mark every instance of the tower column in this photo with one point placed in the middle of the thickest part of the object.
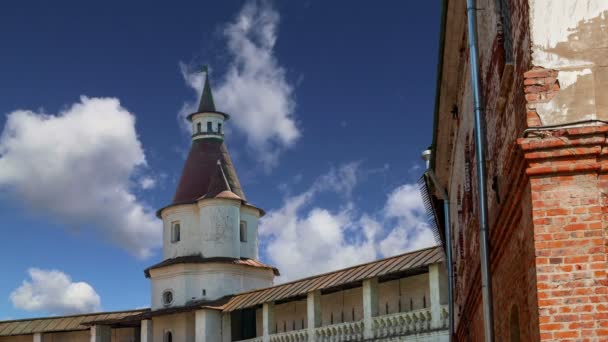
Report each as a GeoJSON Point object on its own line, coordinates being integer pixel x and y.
{"type": "Point", "coordinates": [226, 327]}
{"type": "Point", "coordinates": [207, 326]}
{"type": "Point", "coordinates": [313, 312]}
{"type": "Point", "coordinates": [435, 295]}
{"type": "Point", "coordinates": [370, 306]}
{"type": "Point", "coordinates": [101, 333]}
{"type": "Point", "coordinates": [146, 333]}
{"type": "Point", "coordinates": [268, 322]}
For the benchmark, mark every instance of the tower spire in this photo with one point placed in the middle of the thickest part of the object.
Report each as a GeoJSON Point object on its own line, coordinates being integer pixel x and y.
{"type": "Point", "coordinates": [206, 104]}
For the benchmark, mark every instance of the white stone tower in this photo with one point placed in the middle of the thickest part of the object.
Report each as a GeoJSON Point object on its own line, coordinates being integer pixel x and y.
{"type": "Point", "coordinates": [210, 231]}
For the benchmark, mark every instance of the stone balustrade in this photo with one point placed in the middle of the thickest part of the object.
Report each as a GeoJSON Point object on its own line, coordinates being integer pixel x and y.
{"type": "Point", "coordinates": [290, 336]}
{"type": "Point", "coordinates": [402, 323]}
{"type": "Point", "coordinates": [255, 339]}
{"type": "Point", "coordinates": [385, 326]}
{"type": "Point", "coordinates": [348, 331]}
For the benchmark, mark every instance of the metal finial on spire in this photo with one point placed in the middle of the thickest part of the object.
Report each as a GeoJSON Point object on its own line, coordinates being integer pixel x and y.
{"type": "Point", "coordinates": [206, 104]}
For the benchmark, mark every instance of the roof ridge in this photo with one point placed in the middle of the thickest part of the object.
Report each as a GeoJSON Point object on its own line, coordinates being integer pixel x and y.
{"type": "Point", "coordinates": [74, 315]}
{"type": "Point", "coordinates": [336, 271]}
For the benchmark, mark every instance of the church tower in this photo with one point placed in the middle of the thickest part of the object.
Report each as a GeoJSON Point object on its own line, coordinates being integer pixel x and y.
{"type": "Point", "coordinates": [210, 231]}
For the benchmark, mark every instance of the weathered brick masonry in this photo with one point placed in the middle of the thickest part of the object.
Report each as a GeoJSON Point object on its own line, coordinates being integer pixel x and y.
{"type": "Point", "coordinates": [568, 173]}
{"type": "Point", "coordinates": [547, 167]}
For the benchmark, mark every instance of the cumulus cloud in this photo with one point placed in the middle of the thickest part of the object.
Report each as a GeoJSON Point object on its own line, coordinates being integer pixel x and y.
{"type": "Point", "coordinates": [54, 292]}
{"type": "Point", "coordinates": [320, 239]}
{"type": "Point", "coordinates": [76, 167]}
{"type": "Point", "coordinates": [147, 182]}
{"type": "Point", "coordinates": [254, 89]}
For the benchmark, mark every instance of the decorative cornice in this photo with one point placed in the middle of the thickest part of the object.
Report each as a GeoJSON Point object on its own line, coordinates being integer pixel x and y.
{"type": "Point", "coordinates": [566, 150]}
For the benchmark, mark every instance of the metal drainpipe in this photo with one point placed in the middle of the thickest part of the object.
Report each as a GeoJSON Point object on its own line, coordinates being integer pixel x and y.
{"type": "Point", "coordinates": [448, 248]}
{"type": "Point", "coordinates": [480, 133]}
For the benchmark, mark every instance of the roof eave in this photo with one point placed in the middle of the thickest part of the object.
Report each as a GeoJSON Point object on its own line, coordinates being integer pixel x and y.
{"type": "Point", "coordinates": [444, 7]}
{"type": "Point", "coordinates": [226, 116]}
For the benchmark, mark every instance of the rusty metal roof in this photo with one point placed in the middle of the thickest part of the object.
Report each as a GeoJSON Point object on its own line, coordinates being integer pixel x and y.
{"type": "Point", "coordinates": [199, 259]}
{"type": "Point", "coordinates": [59, 323]}
{"type": "Point", "coordinates": [380, 268]}
{"type": "Point", "coordinates": [202, 177]}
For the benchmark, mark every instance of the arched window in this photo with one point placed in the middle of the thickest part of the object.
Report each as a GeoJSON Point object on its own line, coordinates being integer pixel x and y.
{"type": "Point", "coordinates": [219, 127]}
{"type": "Point", "coordinates": [514, 324]}
{"type": "Point", "coordinates": [167, 297]}
{"type": "Point", "coordinates": [168, 337]}
{"type": "Point", "coordinates": [243, 231]}
{"type": "Point", "coordinates": [175, 231]}
{"type": "Point", "coordinates": [198, 127]}
{"type": "Point", "coordinates": [209, 127]}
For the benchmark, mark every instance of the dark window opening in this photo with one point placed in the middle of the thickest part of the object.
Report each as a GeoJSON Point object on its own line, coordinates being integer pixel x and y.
{"type": "Point", "coordinates": [198, 127]}
{"type": "Point", "coordinates": [514, 324]}
{"type": "Point", "coordinates": [219, 127]}
{"type": "Point", "coordinates": [243, 324]}
{"type": "Point", "coordinates": [243, 231]}
{"type": "Point", "coordinates": [424, 302]}
{"type": "Point", "coordinates": [175, 232]}
{"type": "Point", "coordinates": [167, 297]}
{"type": "Point", "coordinates": [505, 28]}
{"type": "Point", "coordinates": [168, 337]}
{"type": "Point", "coordinates": [209, 127]}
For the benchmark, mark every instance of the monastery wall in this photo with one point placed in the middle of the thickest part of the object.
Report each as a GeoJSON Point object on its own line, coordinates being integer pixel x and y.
{"type": "Point", "coordinates": [182, 326]}
{"type": "Point", "coordinates": [545, 181]}
{"type": "Point", "coordinates": [117, 335]}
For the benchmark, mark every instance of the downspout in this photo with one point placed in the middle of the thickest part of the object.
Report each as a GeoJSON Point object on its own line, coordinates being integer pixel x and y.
{"type": "Point", "coordinates": [480, 133]}
{"type": "Point", "coordinates": [426, 155]}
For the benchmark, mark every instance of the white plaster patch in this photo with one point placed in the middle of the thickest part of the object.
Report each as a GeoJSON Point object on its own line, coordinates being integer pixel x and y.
{"type": "Point", "coordinates": [551, 21]}
{"type": "Point", "coordinates": [568, 78]}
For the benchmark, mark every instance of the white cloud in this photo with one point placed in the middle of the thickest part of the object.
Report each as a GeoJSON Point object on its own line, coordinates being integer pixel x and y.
{"type": "Point", "coordinates": [76, 167]}
{"type": "Point", "coordinates": [303, 239]}
{"type": "Point", "coordinates": [255, 89]}
{"type": "Point", "coordinates": [147, 182]}
{"type": "Point", "coordinates": [54, 292]}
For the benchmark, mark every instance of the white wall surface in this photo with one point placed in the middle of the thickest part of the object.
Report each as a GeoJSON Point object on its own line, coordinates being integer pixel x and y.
{"type": "Point", "coordinates": [181, 325]}
{"type": "Point", "coordinates": [17, 338]}
{"type": "Point", "coordinates": [219, 226]}
{"type": "Point", "coordinates": [203, 118]}
{"type": "Point", "coordinates": [187, 281]}
{"type": "Point", "coordinates": [415, 288]}
{"type": "Point", "coordinates": [342, 301]}
{"type": "Point", "coordinates": [211, 228]}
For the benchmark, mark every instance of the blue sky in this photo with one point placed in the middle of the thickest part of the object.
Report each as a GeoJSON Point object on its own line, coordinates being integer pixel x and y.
{"type": "Point", "coordinates": [332, 105]}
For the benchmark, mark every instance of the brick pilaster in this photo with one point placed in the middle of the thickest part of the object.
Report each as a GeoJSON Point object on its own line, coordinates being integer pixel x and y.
{"type": "Point", "coordinates": [569, 185]}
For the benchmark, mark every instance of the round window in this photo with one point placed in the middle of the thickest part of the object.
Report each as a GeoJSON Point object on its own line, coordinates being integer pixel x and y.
{"type": "Point", "coordinates": [167, 297]}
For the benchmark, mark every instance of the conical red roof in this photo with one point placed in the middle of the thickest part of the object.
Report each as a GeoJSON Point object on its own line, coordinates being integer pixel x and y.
{"type": "Point", "coordinates": [208, 171]}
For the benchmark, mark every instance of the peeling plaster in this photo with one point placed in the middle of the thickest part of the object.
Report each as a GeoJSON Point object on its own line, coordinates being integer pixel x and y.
{"type": "Point", "coordinates": [572, 37]}
{"type": "Point", "coordinates": [568, 78]}
{"type": "Point", "coordinates": [552, 22]}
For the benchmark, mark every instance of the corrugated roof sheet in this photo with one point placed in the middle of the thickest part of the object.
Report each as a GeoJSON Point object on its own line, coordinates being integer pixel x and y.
{"type": "Point", "coordinates": [379, 268]}
{"type": "Point", "coordinates": [57, 324]}
{"type": "Point", "coordinates": [199, 259]}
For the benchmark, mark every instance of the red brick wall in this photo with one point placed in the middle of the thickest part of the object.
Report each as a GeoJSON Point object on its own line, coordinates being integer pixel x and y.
{"type": "Point", "coordinates": [510, 212]}
{"type": "Point", "coordinates": [568, 182]}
